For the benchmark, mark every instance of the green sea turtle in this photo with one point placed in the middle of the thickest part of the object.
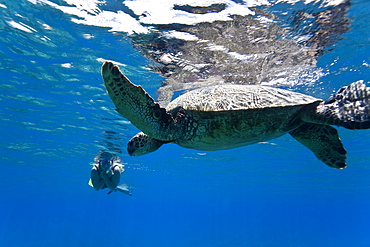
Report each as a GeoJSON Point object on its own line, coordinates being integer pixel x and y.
{"type": "Point", "coordinates": [228, 116]}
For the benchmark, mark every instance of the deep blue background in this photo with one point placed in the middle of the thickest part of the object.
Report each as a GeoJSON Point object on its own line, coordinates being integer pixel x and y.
{"type": "Point", "coordinates": [56, 119]}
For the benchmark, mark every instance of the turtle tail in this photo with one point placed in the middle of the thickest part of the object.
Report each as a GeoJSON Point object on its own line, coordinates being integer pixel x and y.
{"type": "Point", "coordinates": [349, 107]}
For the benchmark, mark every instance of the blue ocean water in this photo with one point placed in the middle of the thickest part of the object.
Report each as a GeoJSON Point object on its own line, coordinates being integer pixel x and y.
{"type": "Point", "coordinates": [56, 117]}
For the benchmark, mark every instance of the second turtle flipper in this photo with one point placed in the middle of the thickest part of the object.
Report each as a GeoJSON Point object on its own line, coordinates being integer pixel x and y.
{"type": "Point", "coordinates": [348, 107]}
{"type": "Point", "coordinates": [324, 142]}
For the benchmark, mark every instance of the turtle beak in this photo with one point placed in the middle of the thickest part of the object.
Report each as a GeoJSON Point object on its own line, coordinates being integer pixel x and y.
{"type": "Point", "coordinates": [130, 150]}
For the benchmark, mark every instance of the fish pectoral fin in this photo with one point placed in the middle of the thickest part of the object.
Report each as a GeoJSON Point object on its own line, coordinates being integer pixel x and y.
{"type": "Point", "coordinates": [324, 142]}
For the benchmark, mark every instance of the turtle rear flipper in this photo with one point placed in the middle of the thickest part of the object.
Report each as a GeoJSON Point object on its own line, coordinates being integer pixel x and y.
{"type": "Point", "coordinates": [349, 107]}
{"type": "Point", "coordinates": [324, 142]}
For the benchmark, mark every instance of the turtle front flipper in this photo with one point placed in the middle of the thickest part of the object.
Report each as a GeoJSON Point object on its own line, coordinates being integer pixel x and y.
{"type": "Point", "coordinates": [324, 142]}
{"type": "Point", "coordinates": [136, 105]}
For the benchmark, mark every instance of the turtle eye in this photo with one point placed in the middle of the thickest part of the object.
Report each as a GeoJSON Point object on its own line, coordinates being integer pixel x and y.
{"type": "Point", "coordinates": [157, 114]}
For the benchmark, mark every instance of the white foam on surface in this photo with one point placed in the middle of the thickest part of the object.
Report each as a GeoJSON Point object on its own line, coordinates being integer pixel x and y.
{"type": "Point", "coordinates": [181, 35]}
{"type": "Point", "coordinates": [163, 12]}
{"type": "Point", "coordinates": [119, 22]}
{"type": "Point", "coordinates": [150, 12]}
{"type": "Point", "coordinates": [93, 16]}
{"type": "Point", "coordinates": [324, 3]}
{"type": "Point", "coordinates": [21, 26]}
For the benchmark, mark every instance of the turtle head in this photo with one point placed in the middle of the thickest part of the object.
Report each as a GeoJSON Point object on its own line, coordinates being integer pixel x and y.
{"type": "Point", "coordinates": [142, 144]}
{"type": "Point", "coordinates": [137, 106]}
